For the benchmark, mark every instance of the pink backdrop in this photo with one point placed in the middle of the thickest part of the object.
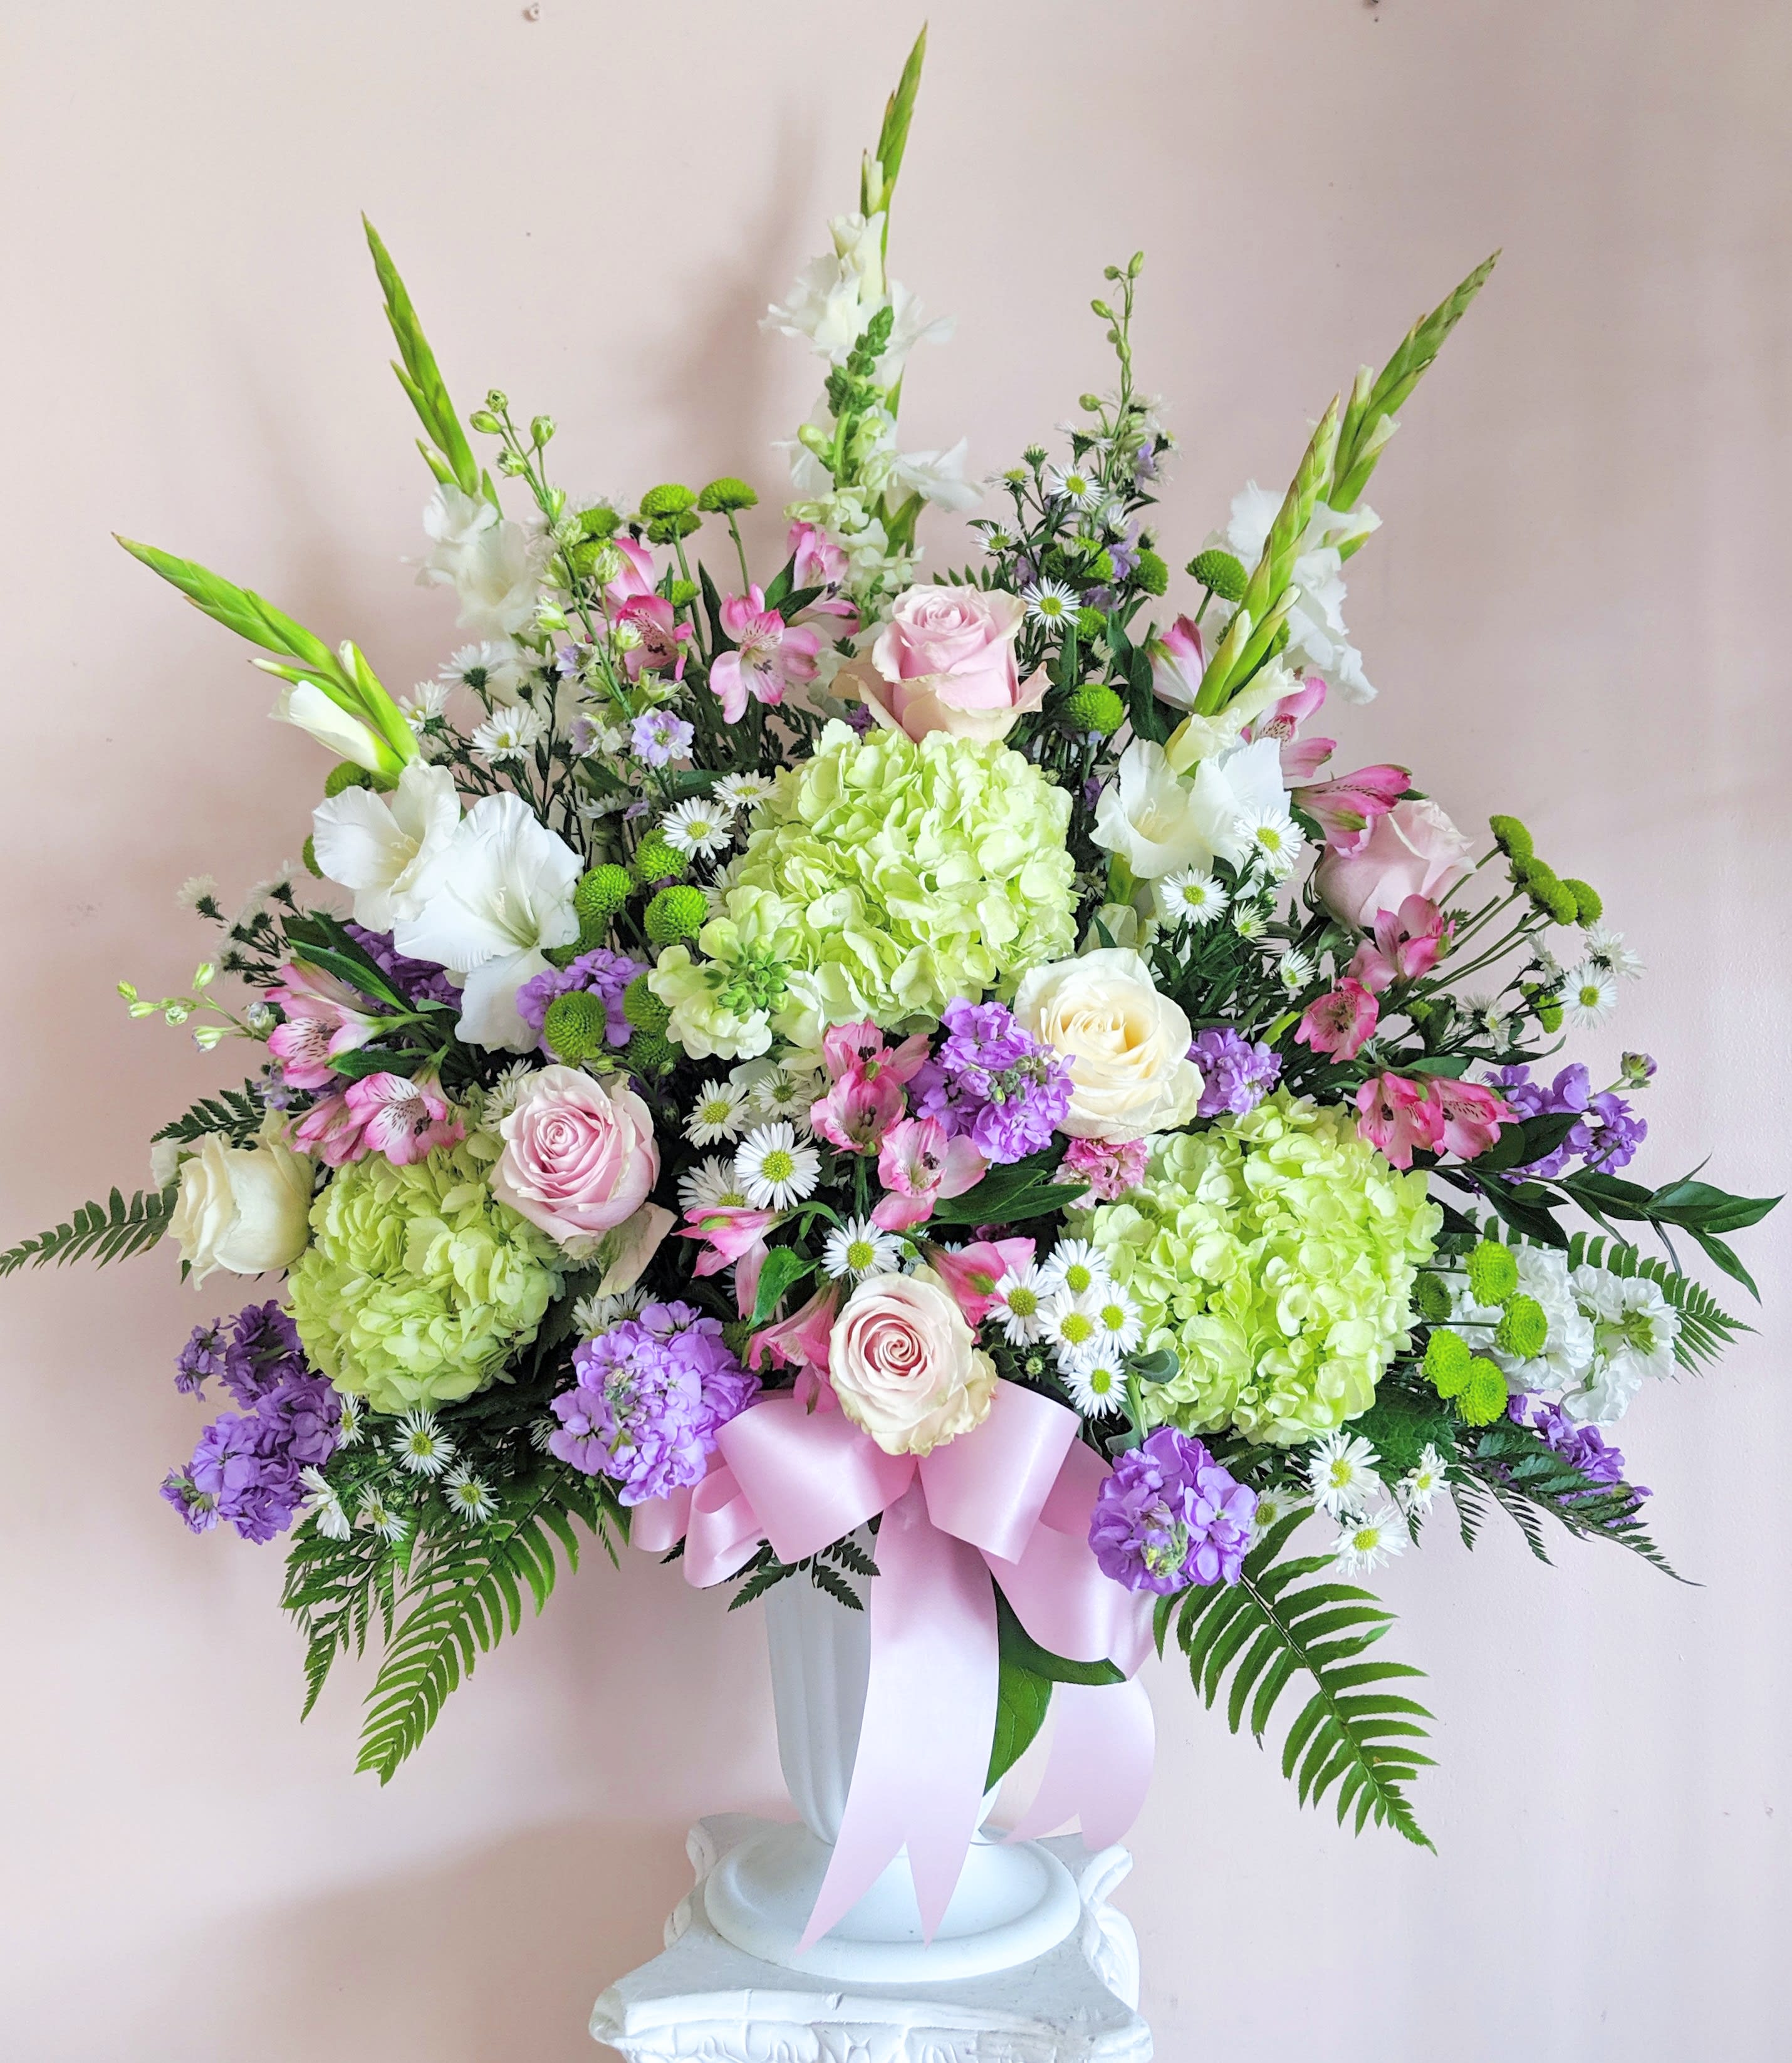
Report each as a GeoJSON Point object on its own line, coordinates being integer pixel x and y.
{"type": "Point", "coordinates": [1575, 611]}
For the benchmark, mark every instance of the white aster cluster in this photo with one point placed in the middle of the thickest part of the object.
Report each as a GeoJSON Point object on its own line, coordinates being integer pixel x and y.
{"type": "Point", "coordinates": [1070, 1304]}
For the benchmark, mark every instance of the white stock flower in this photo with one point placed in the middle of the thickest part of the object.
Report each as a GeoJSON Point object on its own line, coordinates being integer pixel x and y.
{"type": "Point", "coordinates": [383, 847]}
{"type": "Point", "coordinates": [499, 895]}
{"type": "Point", "coordinates": [1634, 1330]}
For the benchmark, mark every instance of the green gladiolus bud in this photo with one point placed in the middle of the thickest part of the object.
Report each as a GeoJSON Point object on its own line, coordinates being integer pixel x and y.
{"type": "Point", "coordinates": [676, 913]}
{"type": "Point", "coordinates": [1220, 573]}
{"type": "Point", "coordinates": [574, 1027]}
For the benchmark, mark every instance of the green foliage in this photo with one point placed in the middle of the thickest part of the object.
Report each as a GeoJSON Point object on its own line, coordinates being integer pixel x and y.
{"type": "Point", "coordinates": [99, 1232]}
{"type": "Point", "coordinates": [1353, 1733]}
{"type": "Point", "coordinates": [824, 1570]}
{"type": "Point", "coordinates": [785, 1268]}
{"type": "Point", "coordinates": [1023, 1698]}
{"type": "Point", "coordinates": [450, 460]}
{"type": "Point", "coordinates": [237, 1113]}
{"type": "Point", "coordinates": [1530, 1481]}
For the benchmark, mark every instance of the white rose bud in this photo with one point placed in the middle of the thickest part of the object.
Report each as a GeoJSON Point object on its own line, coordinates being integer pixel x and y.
{"type": "Point", "coordinates": [244, 1209]}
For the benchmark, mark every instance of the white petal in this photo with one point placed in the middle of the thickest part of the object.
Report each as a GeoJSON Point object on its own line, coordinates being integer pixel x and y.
{"type": "Point", "coordinates": [305, 706]}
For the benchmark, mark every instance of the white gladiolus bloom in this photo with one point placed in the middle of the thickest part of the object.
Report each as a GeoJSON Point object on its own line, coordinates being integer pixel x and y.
{"type": "Point", "coordinates": [384, 847]}
{"type": "Point", "coordinates": [1144, 816]}
{"type": "Point", "coordinates": [492, 564]}
{"type": "Point", "coordinates": [1236, 793]}
{"type": "Point", "coordinates": [305, 706]}
{"type": "Point", "coordinates": [1317, 640]}
{"type": "Point", "coordinates": [500, 894]}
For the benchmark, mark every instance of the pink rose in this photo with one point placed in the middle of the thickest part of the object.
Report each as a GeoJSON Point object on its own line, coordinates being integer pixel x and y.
{"type": "Point", "coordinates": [579, 1158]}
{"type": "Point", "coordinates": [945, 661]}
{"type": "Point", "coordinates": [1414, 850]}
{"type": "Point", "coordinates": [905, 1366]}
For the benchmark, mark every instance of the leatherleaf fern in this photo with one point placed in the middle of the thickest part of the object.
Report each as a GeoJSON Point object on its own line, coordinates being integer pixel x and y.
{"type": "Point", "coordinates": [1250, 1640]}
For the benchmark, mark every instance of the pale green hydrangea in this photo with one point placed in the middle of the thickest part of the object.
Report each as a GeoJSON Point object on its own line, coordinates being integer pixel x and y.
{"type": "Point", "coordinates": [419, 1285]}
{"type": "Point", "coordinates": [1275, 1255]}
{"type": "Point", "coordinates": [883, 878]}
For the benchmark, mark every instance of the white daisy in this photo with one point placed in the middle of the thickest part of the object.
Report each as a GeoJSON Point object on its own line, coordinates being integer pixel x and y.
{"type": "Point", "coordinates": [858, 1248]}
{"type": "Point", "coordinates": [593, 1315]}
{"type": "Point", "coordinates": [1075, 1265]}
{"type": "Point", "coordinates": [785, 1093]}
{"type": "Point", "coordinates": [1068, 1325]}
{"type": "Point", "coordinates": [1422, 1485]}
{"type": "Point", "coordinates": [421, 1445]}
{"type": "Point", "coordinates": [1294, 971]}
{"type": "Point", "coordinates": [774, 1169]}
{"type": "Point", "coordinates": [1590, 997]}
{"type": "Point", "coordinates": [500, 1100]}
{"type": "Point", "coordinates": [1483, 1023]}
{"type": "Point", "coordinates": [1341, 1469]}
{"type": "Point", "coordinates": [1279, 1502]}
{"type": "Point", "coordinates": [1191, 897]}
{"type": "Point", "coordinates": [593, 809]}
{"type": "Point", "coordinates": [742, 791]}
{"type": "Point", "coordinates": [1276, 843]}
{"type": "Point", "coordinates": [348, 1421]}
{"type": "Point", "coordinates": [1077, 484]}
{"type": "Point", "coordinates": [1607, 952]}
{"type": "Point", "coordinates": [1248, 921]}
{"type": "Point", "coordinates": [509, 733]}
{"type": "Point", "coordinates": [495, 667]}
{"type": "Point", "coordinates": [376, 1516]}
{"type": "Point", "coordinates": [468, 1496]}
{"type": "Point", "coordinates": [1118, 1317]}
{"type": "Point", "coordinates": [196, 889]}
{"type": "Point", "coordinates": [426, 702]}
{"type": "Point", "coordinates": [1050, 601]}
{"type": "Point", "coordinates": [1367, 1540]}
{"type": "Point", "coordinates": [711, 1186]}
{"type": "Point", "coordinates": [697, 828]}
{"type": "Point", "coordinates": [720, 1112]}
{"type": "Point", "coordinates": [323, 1504]}
{"type": "Point", "coordinates": [1097, 1387]}
{"type": "Point", "coordinates": [1020, 1300]}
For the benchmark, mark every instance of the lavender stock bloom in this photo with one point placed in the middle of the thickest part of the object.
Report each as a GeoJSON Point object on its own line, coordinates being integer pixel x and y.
{"type": "Point", "coordinates": [263, 1353]}
{"type": "Point", "coordinates": [1606, 1136]}
{"type": "Point", "coordinates": [652, 1393]}
{"type": "Point", "coordinates": [1236, 1075]}
{"type": "Point", "coordinates": [200, 1359]}
{"type": "Point", "coordinates": [604, 973]}
{"type": "Point", "coordinates": [1582, 1447]}
{"type": "Point", "coordinates": [1169, 1516]}
{"type": "Point", "coordinates": [421, 981]}
{"type": "Point", "coordinates": [992, 1084]}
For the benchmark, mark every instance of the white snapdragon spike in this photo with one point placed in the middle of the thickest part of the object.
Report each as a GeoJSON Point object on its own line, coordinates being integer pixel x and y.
{"type": "Point", "coordinates": [1368, 1539]}
{"type": "Point", "coordinates": [376, 1515]}
{"type": "Point", "coordinates": [420, 1446]}
{"type": "Point", "coordinates": [1191, 897]}
{"type": "Point", "coordinates": [511, 732]}
{"type": "Point", "coordinates": [711, 1185]}
{"type": "Point", "coordinates": [1634, 1330]}
{"type": "Point", "coordinates": [493, 566]}
{"type": "Point", "coordinates": [1341, 1473]}
{"type": "Point", "coordinates": [1278, 1501]}
{"type": "Point", "coordinates": [1590, 997]}
{"type": "Point", "coordinates": [775, 1168]}
{"type": "Point", "coordinates": [1606, 950]}
{"type": "Point", "coordinates": [719, 1113]}
{"type": "Point", "coordinates": [1423, 1484]}
{"type": "Point", "coordinates": [304, 704]}
{"type": "Point", "coordinates": [499, 896]}
{"type": "Point", "coordinates": [1318, 642]}
{"type": "Point", "coordinates": [696, 828]}
{"type": "Point", "coordinates": [858, 1250]}
{"type": "Point", "coordinates": [1075, 1265]}
{"type": "Point", "coordinates": [1097, 1387]}
{"type": "Point", "coordinates": [385, 848]}
{"type": "Point", "coordinates": [322, 1504]}
{"type": "Point", "coordinates": [1069, 1326]}
{"type": "Point", "coordinates": [469, 1496]}
{"type": "Point", "coordinates": [1020, 1305]}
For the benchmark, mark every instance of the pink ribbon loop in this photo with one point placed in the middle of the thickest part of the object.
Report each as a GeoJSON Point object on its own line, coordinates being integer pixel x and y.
{"type": "Point", "coordinates": [1010, 1501]}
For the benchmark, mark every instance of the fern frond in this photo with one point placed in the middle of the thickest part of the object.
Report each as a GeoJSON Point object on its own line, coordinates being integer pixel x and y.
{"type": "Point", "coordinates": [1528, 1479]}
{"type": "Point", "coordinates": [1353, 1734]}
{"type": "Point", "coordinates": [237, 1113]}
{"type": "Point", "coordinates": [111, 1231]}
{"type": "Point", "coordinates": [1705, 1328]}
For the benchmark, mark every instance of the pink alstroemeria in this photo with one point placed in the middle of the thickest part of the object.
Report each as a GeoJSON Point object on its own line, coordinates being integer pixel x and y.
{"type": "Point", "coordinates": [769, 656]}
{"type": "Point", "coordinates": [1408, 943]}
{"type": "Point", "coordinates": [971, 1273]}
{"type": "Point", "coordinates": [1179, 659]}
{"type": "Point", "coordinates": [1396, 1115]}
{"type": "Point", "coordinates": [1471, 1115]}
{"type": "Point", "coordinates": [865, 1094]}
{"type": "Point", "coordinates": [402, 1117]}
{"type": "Point", "coordinates": [1301, 758]}
{"type": "Point", "coordinates": [331, 1131]}
{"type": "Point", "coordinates": [733, 1232]}
{"type": "Point", "coordinates": [1341, 1023]}
{"type": "Point", "coordinates": [800, 1341]}
{"type": "Point", "coordinates": [660, 638]}
{"type": "Point", "coordinates": [919, 1167]}
{"type": "Point", "coordinates": [818, 561]}
{"type": "Point", "coordinates": [321, 1021]}
{"type": "Point", "coordinates": [636, 576]}
{"type": "Point", "coordinates": [1345, 805]}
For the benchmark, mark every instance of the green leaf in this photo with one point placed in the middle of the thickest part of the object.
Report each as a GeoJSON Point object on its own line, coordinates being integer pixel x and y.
{"type": "Point", "coordinates": [1149, 719]}
{"type": "Point", "coordinates": [1022, 1700]}
{"type": "Point", "coordinates": [1019, 1646]}
{"type": "Point", "coordinates": [237, 1113]}
{"type": "Point", "coordinates": [111, 1231]}
{"type": "Point", "coordinates": [356, 1065]}
{"type": "Point", "coordinates": [1699, 1206]}
{"type": "Point", "coordinates": [785, 1268]}
{"type": "Point", "coordinates": [419, 376]}
{"type": "Point", "coordinates": [1009, 1196]}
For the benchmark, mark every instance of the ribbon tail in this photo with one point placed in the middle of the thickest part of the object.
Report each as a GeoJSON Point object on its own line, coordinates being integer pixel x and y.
{"type": "Point", "coordinates": [1099, 1769]}
{"type": "Point", "coordinates": [930, 1714]}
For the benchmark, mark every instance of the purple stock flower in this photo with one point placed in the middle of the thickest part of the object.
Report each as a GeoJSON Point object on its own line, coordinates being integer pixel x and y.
{"type": "Point", "coordinates": [263, 1353]}
{"type": "Point", "coordinates": [659, 738]}
{"type": "Point", "coordinates": [1582, 1447]}
{"type": "Point", "coordinates": [992, 1084]}
{"type": "Point", "coordinates": [652, 1393]}
{"type": "Point", "coordinates": [201, 1358]}
{"type": "Point", "coordinates": [860, 718]}
{"type": "Point", "coordinates": [604, 973]}
{"type": "Point", "coordinates": [1606, 1136]}
{"type": "Point", "coordinates": [1169, 1516]}
{"type": "Point", "coordinates": [422, 981]}
{"type": "Point", "coordinates": [1235, 1074]}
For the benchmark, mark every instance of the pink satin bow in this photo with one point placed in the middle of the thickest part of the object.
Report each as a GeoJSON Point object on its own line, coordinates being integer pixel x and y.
{"type": "Point", "coordinates": [1010, 1501]}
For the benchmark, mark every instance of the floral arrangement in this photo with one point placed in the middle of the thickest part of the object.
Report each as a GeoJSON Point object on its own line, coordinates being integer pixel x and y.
{"type": "Point", "coordinates": [813, 1067]}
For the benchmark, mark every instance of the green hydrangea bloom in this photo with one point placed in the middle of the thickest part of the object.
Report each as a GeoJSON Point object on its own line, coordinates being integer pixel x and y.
{"type": "Point", "coordinates": [885, 877]}
{"type": "Point", "coordinates": [1275, 1255]}
{"type": "Point", "coordinates": [419, 1285]}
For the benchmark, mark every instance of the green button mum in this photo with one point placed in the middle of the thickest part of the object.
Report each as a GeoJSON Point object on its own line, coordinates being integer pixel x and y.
{"type": "Point", "coordinates": [419, 1285]}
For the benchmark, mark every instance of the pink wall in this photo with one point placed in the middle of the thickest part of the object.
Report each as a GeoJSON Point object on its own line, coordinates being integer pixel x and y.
{"type": "Point", "coordinates": [1576, 611]}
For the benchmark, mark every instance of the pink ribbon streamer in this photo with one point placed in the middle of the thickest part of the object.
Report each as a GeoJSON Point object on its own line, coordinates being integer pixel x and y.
{"type": "Point", "coordinates": [1010, 1501]}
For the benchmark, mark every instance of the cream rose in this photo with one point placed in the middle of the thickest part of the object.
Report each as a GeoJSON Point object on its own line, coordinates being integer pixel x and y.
{"type": "Point", "coordinates": [579, 1158]}
{"type": "Point", "coordinates": [905, 1365]}
{"type": "Point", "coordinates": [1127, 1043]}
{"type": "Point", "coordinates": [945, 661]}
{"type": "Point", "coordinates": [245, 1209]}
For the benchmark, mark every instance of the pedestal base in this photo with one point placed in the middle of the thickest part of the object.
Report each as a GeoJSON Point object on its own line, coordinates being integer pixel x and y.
{"type": "Point", "coordinates": [704, 2000]}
